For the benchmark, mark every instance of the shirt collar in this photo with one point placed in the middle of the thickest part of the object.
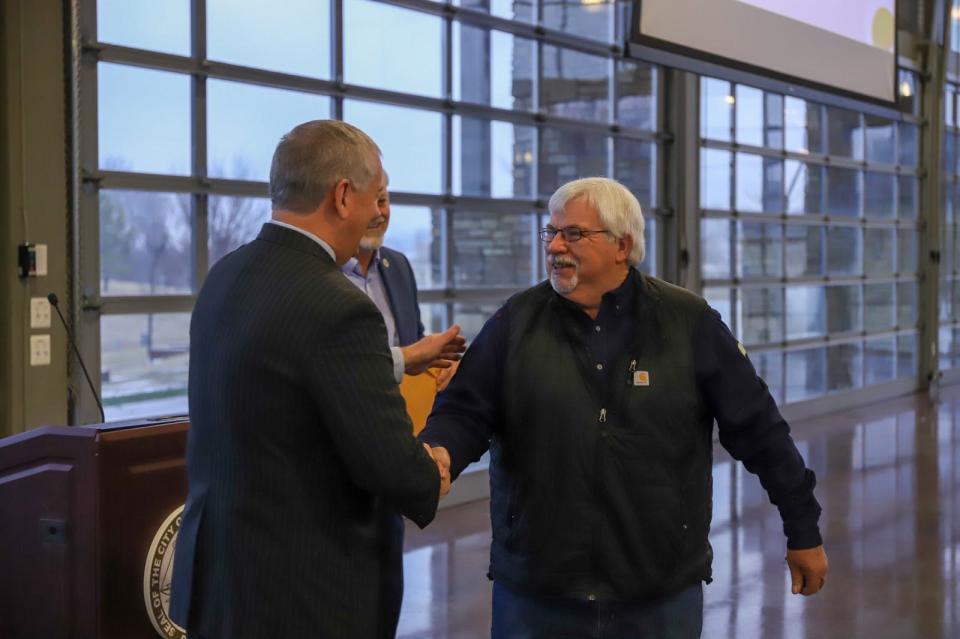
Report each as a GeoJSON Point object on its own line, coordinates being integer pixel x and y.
{"type": "Point", "coordinates": [352, 266]}
{"type": "Point", "coordinates": [616, 300]}
{"type": "Point", "coordinates": [622, 296]}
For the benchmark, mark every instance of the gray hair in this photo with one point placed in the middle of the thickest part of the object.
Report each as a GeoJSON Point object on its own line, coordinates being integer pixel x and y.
{"type": "Point", "coordinates": [618, 209]}
{"type": "Point", "coordinates": [313, 157]}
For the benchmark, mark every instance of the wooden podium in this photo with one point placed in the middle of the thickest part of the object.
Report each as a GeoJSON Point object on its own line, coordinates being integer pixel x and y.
{"type": "Point", "coordinates": [88, 522]}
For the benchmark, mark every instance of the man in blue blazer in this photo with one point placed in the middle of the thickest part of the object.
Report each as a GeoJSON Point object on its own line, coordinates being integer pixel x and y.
{"type": "Point", "coordinates": [386, 277]}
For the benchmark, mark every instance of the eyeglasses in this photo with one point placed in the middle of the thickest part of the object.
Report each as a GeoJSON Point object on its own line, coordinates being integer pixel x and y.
{"type": "Point", "coordinates": [570, 233]}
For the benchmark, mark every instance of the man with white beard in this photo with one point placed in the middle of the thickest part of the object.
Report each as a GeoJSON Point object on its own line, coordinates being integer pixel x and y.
{"type": "Point", "coordinates": [596, 394]}
{"type": "Point", "coordinates": [387, 279]}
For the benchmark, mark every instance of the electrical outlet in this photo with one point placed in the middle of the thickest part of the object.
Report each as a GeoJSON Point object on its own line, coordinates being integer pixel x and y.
{"type": "Point", "coordinates": [39, 350]}
{"type": "Point", "coordinates": [39, 312]}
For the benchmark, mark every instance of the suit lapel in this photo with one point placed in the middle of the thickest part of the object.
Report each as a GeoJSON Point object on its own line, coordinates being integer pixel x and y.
{"type": "Point", "coordinates": [390, 274]}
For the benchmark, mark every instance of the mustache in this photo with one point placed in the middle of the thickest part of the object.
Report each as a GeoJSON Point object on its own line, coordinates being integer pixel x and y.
{"type": "Point", "coordinates": [560, 260]}
{"type": "Point", "coordinates": [380, 219]}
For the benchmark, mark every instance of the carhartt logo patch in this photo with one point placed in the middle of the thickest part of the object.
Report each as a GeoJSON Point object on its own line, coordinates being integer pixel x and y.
{"type": "Point", "coordinates": [641, 378]}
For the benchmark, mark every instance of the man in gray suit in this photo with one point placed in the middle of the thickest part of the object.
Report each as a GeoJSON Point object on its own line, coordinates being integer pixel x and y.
{"type": "Point", "coordinates": [298, 431]}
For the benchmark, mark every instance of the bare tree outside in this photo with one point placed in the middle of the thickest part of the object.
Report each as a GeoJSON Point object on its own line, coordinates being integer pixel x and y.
{"type": "Point", "coordinates": [116, 240]}
{"type": "Point", "coordinates": [234, 221]}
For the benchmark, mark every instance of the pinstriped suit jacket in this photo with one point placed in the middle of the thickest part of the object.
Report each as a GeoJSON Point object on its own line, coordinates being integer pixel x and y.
{"type": "Point", "coordinates": [297, 430]}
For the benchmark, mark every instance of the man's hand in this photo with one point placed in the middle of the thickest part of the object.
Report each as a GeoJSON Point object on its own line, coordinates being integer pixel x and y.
{"type": "Point", "coordinates": [442, 458]}
{"type": "Point", "coordinates": [434, 351]}
{"type": "Point", "coordinates": [808, 570]}
{"type": "Point", "coordinates": [445, 375]}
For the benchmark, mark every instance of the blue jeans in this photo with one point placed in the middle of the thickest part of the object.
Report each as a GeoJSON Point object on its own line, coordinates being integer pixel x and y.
{"type": "Point", "coordinates": [521, 616]}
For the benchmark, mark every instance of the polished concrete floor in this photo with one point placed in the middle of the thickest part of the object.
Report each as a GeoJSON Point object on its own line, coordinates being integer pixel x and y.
{"type": "Point", "coordinates": [888, 483]}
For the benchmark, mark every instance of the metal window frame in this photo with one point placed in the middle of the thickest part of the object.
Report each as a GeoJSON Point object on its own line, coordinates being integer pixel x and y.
{"type": "Point", "coordinates": [201, 187]}
{"type": "Point", "coordinates": [87, 283]}
{"type": "Point", "coordinates": [948, 274]}
{"type": "Point", "coordinates": [781, 218]}
{"type": "Point", "coordinates": [676, 140]}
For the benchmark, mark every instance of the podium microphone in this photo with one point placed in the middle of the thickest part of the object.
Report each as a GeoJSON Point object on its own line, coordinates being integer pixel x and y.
{"type": "Point", "coordinates": [54, 302]}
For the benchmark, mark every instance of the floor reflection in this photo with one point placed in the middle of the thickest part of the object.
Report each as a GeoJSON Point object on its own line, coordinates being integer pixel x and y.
{"type": "Point", "coordinates": [888, 482]}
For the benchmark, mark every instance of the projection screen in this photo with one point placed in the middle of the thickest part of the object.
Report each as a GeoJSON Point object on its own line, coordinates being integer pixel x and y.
{"type": "Point", "coordinates": [841, 44]}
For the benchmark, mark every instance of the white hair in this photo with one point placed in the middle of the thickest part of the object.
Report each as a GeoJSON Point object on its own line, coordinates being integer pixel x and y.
{"type": "Point", "coordinates": [618, 209]}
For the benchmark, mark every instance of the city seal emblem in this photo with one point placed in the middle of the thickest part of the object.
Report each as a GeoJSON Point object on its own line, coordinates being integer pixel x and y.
{"type": "Point", "coordinates": [157, 574]}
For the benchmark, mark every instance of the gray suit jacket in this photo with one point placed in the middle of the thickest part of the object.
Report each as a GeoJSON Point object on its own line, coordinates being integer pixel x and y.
{"type": "Point", "coordinates": [297, 431]}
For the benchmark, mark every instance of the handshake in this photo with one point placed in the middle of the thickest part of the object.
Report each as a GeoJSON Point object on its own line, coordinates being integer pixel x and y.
{"type": "Point", "coordinates": [441, 457]}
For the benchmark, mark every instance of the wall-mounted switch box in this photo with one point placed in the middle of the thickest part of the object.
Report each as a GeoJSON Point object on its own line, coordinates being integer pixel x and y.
{"type": "Point", "coordinates": [27, 260]}
{"type": "Point", "coordinates": [31, 260]}
{"type": "Point", "coordinates": [39, 312]}
{"type": "Point", "coordinates": [39, 350]}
